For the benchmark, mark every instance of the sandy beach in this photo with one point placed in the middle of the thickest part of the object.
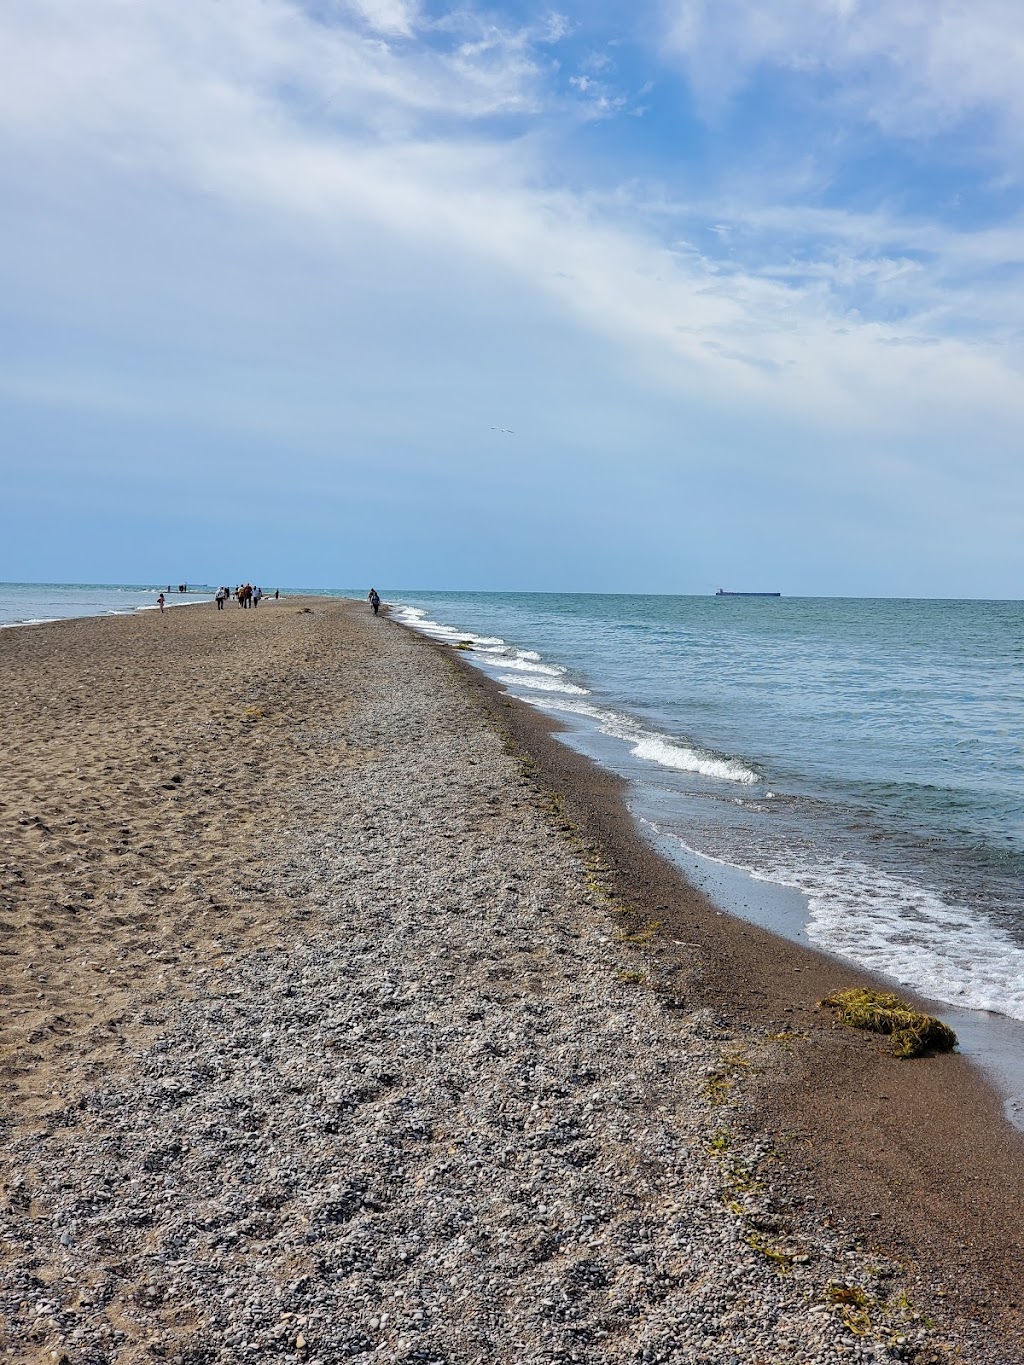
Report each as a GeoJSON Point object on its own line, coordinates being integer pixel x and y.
{"type": "Point", "coordinates": [347, 1016]}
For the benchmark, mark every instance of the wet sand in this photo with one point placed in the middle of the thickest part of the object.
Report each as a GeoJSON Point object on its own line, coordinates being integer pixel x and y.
{"type": "Point", "coordinates": [167, 788]}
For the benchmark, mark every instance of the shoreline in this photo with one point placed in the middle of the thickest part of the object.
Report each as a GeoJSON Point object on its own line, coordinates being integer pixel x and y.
{"type": "Point", "coordinates": [991, 1042]}
{"type": "Point", "coordinates": [783, 795]}
{"type": "Point", "coordinates": [944, 1165]}
{"type": "Point", "coordinates": [189, 599]}
{"type": "Point", "coordinates": [994, 1042]}
{"type": "Point", "coordinates": [324, 1037]}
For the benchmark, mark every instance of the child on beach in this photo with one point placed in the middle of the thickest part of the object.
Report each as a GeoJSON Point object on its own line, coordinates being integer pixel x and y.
{"type": "Point", "coordinates": [160, 603]}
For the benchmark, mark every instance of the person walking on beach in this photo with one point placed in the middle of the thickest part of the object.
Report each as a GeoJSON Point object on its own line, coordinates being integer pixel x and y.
{"type": "Point", "coordinates": [160, 603]}
{"type": "Point", "coordinates": [257, 593]}
{"type": "Point", "coordinates": [373, 597]}
{"type": "Point", "coordinates": [219, 596]}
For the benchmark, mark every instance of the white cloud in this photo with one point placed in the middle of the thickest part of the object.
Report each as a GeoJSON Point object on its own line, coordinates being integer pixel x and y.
{"type": "Point", "coordinates": [911, 67]}
{"type": "Point", "coordinates": [396, 17]}
{"type": "Point", "coordinates": [96, 67]}
{"type": "Point", "coordinates": [339, 138]}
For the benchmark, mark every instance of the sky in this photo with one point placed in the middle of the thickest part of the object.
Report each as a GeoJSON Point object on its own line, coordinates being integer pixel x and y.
{"type": "Point", "coordinates": [602, 297]}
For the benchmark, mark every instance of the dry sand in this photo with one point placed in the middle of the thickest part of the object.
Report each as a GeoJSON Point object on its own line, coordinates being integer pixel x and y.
{"type": "Point", "coordinates": [561, 1136]}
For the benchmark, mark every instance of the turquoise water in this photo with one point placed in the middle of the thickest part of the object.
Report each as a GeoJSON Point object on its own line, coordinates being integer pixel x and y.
{"type": "Point", "coordinates": [866, 754]}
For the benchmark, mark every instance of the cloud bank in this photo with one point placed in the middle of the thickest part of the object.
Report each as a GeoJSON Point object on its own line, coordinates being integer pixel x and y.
{"type": "Point", "coordinates": [830, 237]}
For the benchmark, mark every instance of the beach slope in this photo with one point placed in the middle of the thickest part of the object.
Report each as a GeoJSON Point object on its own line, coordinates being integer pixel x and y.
{"type": "Point", "coordinates": [346, 1017]}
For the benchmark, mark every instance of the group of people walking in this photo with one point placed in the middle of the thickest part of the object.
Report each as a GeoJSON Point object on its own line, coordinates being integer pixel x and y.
{"type": "Point", "coordinates": [245, 595]}
{"type": "Point", "coordinates": [248, 596]}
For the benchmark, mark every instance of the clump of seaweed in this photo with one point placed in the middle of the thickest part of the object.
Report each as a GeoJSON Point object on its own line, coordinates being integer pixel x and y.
{"type": "Point", "coordinates": [722, 1078]}
{"type": "Point", "coordinates": [912, 1032]}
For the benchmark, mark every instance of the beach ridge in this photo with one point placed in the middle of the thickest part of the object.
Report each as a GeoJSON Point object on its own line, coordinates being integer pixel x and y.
{"type": "Point", "coordinates": [325, 1037]}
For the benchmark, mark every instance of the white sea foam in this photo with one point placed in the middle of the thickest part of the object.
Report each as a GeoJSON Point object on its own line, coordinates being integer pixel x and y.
{"type": "Point", "coordinates": [574, 708]}
{"type": "Point", "coordinates": [894, 926]}
{"type": "Point", "coordinates": [520, 664]}
{"type": "Point", "coordinates": [525, 671]}
{"type": "Point", "coordinates": [544, 684]}
{"type": "Point", "coordinates": [672, 754]}
{"type": "Point", "coordinates": [419, 620]}
{"type": "Point", "coordinates": [492, 650]}
{"type": "Point", "coordinates": [653, 747]}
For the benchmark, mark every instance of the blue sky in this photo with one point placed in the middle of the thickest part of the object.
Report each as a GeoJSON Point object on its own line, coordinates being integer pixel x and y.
{"type": "Point", "coordinates": [743, 281]}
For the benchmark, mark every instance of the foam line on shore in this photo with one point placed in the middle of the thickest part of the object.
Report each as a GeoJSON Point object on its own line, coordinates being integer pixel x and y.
{"type": "Point", "coordinates": [517, 669]}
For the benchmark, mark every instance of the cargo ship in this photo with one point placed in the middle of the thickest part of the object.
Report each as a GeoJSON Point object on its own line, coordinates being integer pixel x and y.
{"type": "Point", "coordinates": [722, 593]}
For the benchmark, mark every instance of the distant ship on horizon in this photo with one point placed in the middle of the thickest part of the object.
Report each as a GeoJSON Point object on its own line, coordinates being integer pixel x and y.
{"type": "Point", "coordinates": [723, 593]}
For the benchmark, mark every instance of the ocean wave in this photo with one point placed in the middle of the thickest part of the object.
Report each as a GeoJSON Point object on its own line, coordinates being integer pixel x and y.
{"type": "Point", "coordinates": [419, 620]}
{"type": "Point", "coordinates": [524, 671]}
{"type": "Point", "coordinates": [544, 684]}
{"type": "Point", "coordinates": [29, 621]}
{"type": "Point", "coordinates": [522, 665]}
{"type": "Point", "coordinates": [672, 754]}
{"type": "Point", "coordinates": [574, 708]}
{"type": "Point", "coordinates": [892, 926]}
{"type": "Point", "coordinates": [907, 932]}
{"type": "Point", "coordinates": [653, 747]}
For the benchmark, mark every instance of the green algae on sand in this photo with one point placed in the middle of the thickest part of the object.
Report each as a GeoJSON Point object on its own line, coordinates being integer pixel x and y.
{"type": "Point", "coordinates": [912, 1032]}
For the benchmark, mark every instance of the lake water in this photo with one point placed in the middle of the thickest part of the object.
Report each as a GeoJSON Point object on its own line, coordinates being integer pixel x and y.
{"type": "Point", "coordinates": [861, 759]}
{"type": "Point", "coordinates": [33, 603]}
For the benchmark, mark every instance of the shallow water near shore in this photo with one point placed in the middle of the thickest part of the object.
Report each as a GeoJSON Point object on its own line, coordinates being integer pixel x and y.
{"type": "Point", "coordinates": [993, 1041]}
{"type": "Point", "coordinates": [31, 604]}
{"type": "Point", "coordinates": [859, 760]}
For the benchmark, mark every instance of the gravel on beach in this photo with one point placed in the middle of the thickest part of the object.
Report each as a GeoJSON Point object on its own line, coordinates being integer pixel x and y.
{"type": "Point", "coordinates": [381, 1078]}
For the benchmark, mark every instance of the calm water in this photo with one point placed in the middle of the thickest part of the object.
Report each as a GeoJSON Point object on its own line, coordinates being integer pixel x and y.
{"type": "Point", "coordinates": [33, 603]}
{"type": "Point", "coordinates": [867, 754]}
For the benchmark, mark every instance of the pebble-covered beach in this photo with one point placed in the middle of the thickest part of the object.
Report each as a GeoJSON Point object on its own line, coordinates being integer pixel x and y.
{"type": "Point", "coordinates": [325, 1040]}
